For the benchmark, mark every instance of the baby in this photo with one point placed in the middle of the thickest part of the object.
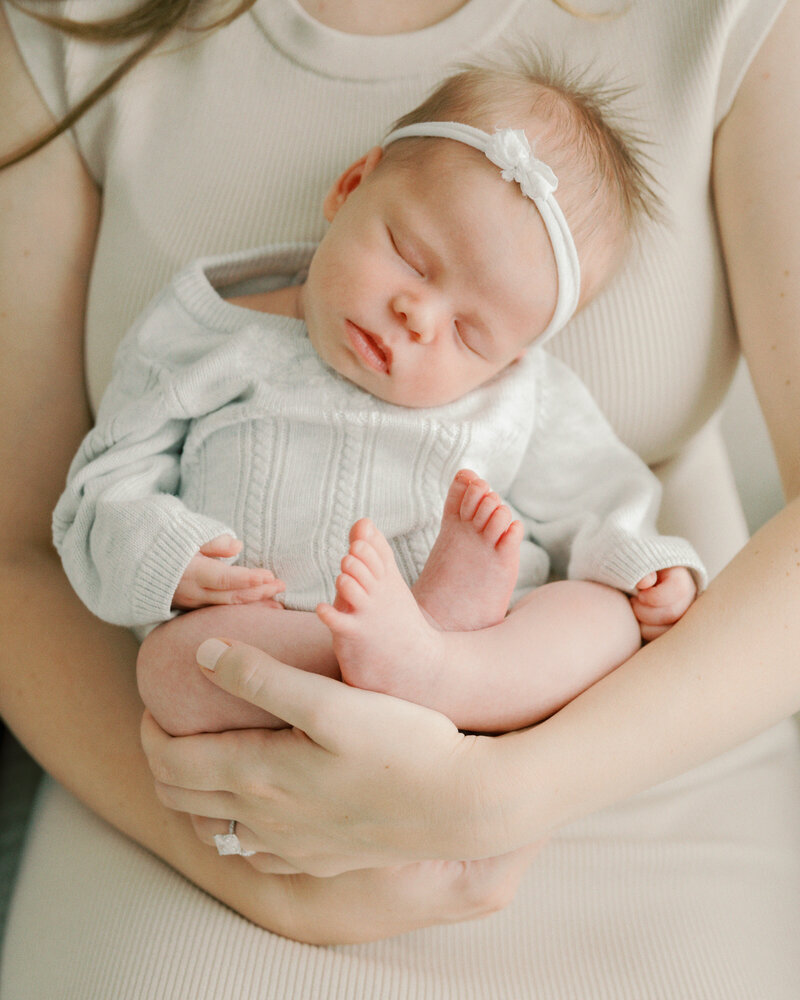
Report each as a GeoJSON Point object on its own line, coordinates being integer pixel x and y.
{"type": "Point", "coordinates": [268, 400]}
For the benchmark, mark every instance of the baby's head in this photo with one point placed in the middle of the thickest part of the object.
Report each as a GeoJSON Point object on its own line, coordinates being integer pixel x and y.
{"type": "Point", "coordinates": [435, 273]}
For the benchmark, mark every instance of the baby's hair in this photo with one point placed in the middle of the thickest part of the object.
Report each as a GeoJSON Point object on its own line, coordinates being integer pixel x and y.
{"type": "Point", "coordinates": [575, 127]}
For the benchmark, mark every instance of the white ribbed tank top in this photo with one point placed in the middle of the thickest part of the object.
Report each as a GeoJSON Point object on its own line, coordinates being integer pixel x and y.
{"type": "Point", "coordinates": [231, 142]}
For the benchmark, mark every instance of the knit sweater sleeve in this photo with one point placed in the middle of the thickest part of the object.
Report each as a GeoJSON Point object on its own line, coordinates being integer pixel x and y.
{"type": "Point", "coordinates": [585, 497]}
{"type": "Point", "coordinates": [124, 536]}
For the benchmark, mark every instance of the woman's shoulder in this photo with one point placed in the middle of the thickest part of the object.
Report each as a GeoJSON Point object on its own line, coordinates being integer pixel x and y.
{"type": "Point", "coordinates": [59, 63]}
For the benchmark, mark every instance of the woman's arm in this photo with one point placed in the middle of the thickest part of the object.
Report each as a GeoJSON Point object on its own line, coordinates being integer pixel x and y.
{"type": "Point", "coordinates": [68, 687]}
{"type": "Point", "coordinates": [67, 684]}
{"type": "Point", "coordinates": [757, 188]}
{"type": "Point", "coordinates": [723, 673]}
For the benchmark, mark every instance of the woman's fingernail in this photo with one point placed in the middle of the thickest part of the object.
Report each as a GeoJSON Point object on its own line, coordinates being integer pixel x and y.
{"type": "Point", "coordinates": [209, 652]}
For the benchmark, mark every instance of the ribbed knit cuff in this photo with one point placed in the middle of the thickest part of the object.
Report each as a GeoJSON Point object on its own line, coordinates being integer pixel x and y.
{"type": "Point", "coordinates": [162, 567]}
{"type": "Point", "coordinates": [625, 560]}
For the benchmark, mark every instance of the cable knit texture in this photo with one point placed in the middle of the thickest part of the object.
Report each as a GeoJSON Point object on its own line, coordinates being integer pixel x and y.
{"type": "Point", "coordinates": [244, 417]}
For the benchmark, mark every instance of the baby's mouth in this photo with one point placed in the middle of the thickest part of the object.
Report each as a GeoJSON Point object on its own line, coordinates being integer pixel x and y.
{"type": "Point", "coordinates": [370, 348]}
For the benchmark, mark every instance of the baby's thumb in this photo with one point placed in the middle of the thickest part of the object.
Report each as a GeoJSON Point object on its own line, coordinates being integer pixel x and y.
{"type": "Point", "coordinates": [222, 547]}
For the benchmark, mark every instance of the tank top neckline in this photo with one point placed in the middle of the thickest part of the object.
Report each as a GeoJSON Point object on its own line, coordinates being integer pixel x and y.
{"type": "Point", "coordinates": [333, 53]}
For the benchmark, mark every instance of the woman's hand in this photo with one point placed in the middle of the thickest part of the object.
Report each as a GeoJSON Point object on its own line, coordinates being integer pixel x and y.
{"type": "Point", "coordinates": [360, 779]}
{"type": "Point", "coordinates": [374, 903]}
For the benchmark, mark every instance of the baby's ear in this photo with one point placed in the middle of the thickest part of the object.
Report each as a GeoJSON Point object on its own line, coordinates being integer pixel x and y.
{"type": "Point", "coordinates": [345, 185]}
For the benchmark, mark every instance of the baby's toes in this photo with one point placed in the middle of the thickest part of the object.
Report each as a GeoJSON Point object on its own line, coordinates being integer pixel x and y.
{"type": "Point", "coordinates": [366, 553]}
{"type": "Point", "coordinates": [486, 508]}
{"type": "Point", "coordinates": [336, 616]}
{"type": "Point", "coordinates": [455, 495]}
{"type": "Point", "coordinates": [473, 497]}
{"type": "Point", "coordinates": [497, 525]}
{"type": "Point", "coordinates": [349, 590]}
{"type": "Point", "coordinates": [359, 571]}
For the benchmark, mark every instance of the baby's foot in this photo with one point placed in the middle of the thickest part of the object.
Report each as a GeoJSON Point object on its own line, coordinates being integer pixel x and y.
{"type": "Point", "coordinates": [470, 574]}
{"type": "Point", "coordinates": [381, 638]}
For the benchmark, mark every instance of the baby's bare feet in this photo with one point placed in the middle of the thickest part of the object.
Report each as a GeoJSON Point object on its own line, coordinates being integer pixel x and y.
{"type": "Point", "coordinates": [470, 574]}
{"type": "Point", "coordinates": [381, 638]}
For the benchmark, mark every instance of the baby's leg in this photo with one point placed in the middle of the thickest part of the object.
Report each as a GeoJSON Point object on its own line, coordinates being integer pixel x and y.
{"type": "Point", "coordinates": [471, 571]}
{"type": "Point", "coordinates": [180, 698]}
{"type": "Point", "coordinates": [557, 641]}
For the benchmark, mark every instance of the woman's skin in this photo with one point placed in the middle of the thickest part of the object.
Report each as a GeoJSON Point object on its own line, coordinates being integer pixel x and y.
{"type": "Point", "coordinates": [727, 670]}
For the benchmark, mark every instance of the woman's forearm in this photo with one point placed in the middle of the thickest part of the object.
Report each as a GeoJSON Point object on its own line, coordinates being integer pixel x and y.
{"type": "Point", "coordinates": [69, 693]}
{"type": "Point", "coordinates": [729, 669]}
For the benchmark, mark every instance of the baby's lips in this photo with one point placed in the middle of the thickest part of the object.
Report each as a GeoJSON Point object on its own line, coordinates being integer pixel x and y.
{"type": "Point", "coordinates": [372, 349]}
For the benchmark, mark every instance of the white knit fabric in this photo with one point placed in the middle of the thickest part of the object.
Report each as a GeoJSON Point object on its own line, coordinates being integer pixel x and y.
{"type": "Point", "coordinates": [223, 420]}
{"type": "Point", "coordinates": [689, 892]}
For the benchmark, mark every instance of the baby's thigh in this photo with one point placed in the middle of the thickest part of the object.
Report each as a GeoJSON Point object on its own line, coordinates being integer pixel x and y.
{"type": "Point", "coordinates": [180, 697]}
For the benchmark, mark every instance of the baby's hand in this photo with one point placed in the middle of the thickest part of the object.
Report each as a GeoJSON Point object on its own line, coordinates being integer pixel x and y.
{"type": "Point", "coordinates": [209, 581]}
{"type": "Point", "coordinates": [662, 599]}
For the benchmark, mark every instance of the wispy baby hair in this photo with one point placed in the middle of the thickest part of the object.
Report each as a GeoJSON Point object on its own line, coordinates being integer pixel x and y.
{"type": "Point", "coordinates": [577, 128]}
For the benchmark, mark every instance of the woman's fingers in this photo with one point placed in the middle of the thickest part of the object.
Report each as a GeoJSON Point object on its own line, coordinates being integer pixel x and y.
{"type": "Point", "coordinates": [322, 707]}
{"type": "Point", "coordinates": [268, 864]}
{"type": "Point", "coordinates": [191, 763]}
{"type": "Point", "coordinates": [216, 804]}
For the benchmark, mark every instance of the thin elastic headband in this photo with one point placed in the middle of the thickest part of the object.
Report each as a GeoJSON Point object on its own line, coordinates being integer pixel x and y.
{"type": "Point", "coordinates": [510, 150]}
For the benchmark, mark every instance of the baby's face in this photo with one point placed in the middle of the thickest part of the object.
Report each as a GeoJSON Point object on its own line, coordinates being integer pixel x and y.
{"type": "Point", "coordinates": [431, 279]}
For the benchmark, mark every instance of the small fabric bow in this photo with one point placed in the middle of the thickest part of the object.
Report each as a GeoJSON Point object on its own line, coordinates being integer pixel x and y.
{"type": "Point", "coordinates": [510, 150]}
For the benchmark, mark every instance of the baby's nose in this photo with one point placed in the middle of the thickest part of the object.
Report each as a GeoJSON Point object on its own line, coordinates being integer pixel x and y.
{"type": "Point", "coordinates": [420, 315]}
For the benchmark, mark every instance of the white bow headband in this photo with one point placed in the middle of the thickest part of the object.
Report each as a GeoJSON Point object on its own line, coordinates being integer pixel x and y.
{"type": "Point", "coordinates": [510, 150]}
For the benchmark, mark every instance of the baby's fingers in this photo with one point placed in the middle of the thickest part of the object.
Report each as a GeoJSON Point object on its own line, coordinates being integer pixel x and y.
{"type": "Point", "coordinates": [214, 575]}
{"type": "Point", "coordinates": [223, 584]}
{"type": "Point", "coordinates": [249, 595]}
{"type": "Point", "coordinates": [672, 586]}
{"type": "Point", "coordinates": [653, 622]}
{"type": "Point", "coordinates": [665, 614]}
{"type": "Point", "coordinates": [650, 632]}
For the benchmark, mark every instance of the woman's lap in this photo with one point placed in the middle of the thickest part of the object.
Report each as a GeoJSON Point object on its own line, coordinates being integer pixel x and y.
{"type": "Point", "coordinates": [690, 890]}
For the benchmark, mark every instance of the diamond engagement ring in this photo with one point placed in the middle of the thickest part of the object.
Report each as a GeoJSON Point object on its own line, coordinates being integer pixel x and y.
{"type": "Point", "coordinates": [229, 843]}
